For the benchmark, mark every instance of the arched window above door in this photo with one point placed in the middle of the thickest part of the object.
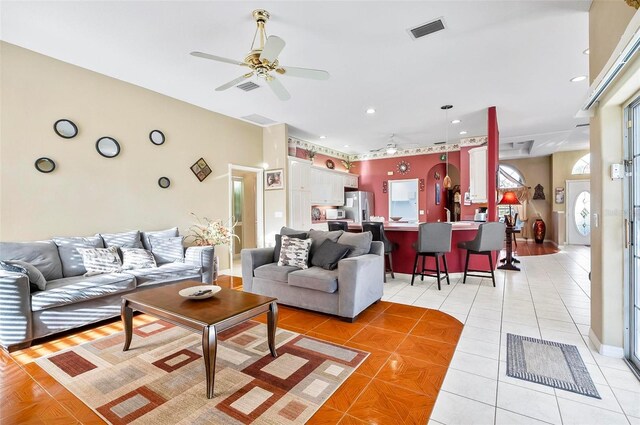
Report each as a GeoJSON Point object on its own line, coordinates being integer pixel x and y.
{"type": "Point", "coordinates": [509, 177]}
{"type": "Point", "coordinates": [583, 165]}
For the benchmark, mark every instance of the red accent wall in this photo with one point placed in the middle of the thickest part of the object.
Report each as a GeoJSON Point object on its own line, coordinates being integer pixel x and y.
{"type": "Point", "coordinates": [466, 211]}
{"type": "Point", "coordinates": [493, 136]}
{"type": "Point", "coordinates": [374, 172]}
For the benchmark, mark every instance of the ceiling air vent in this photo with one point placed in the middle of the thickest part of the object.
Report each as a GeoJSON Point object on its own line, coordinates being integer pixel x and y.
{"type": "Point", "coordinates": [426, 29]}
{"type": "Point", "coordinates": [439, 143]}
{"type": "Point", "coordinates": [258, 119]}
{"type": "Point", "coordinates": [248, 86]}
{"type": "Point", "coordinates": [582, 125]}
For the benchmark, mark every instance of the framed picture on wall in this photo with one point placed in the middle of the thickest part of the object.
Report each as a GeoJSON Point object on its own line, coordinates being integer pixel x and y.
{"type": "Point", "coordinates": [438, 193]}
{"type": "Point", "coordinates": [201, 169]}
{"type": "Point", "coordinates": [559, 195]}
{"type": "Point", "coordinates": [274, 179]}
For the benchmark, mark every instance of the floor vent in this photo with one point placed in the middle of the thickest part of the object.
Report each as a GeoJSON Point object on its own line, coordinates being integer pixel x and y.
{"type": "Point", "coordinates": [426, 29]}
{"type": "Point", "coordinates": [248, 86]}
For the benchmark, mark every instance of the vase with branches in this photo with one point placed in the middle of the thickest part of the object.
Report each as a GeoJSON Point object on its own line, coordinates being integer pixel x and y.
{"type": "Point", "coordinates": [211, 232]}
{"type": "Point", "coordinates": [311, 153]}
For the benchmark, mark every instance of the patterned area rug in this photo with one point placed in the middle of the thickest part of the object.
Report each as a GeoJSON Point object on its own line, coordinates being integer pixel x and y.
{"type": "Point", "coordinates": [161, 379]}
{"type": "Point", "coordinates": [549, 363]}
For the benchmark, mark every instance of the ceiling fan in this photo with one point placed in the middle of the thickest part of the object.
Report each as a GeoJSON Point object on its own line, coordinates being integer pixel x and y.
{"type": "Point", "coordinates": [391, 147]}
{"type": "Point", "coordinates": [262, 60]}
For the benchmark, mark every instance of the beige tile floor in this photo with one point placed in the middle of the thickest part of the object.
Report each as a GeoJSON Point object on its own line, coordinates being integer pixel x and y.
{"type": "Point", "coordinates": [548, 299]}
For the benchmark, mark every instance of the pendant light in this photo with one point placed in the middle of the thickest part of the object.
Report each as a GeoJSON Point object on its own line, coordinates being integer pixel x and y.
{"type": "Point", "coordinates": [446, 182]}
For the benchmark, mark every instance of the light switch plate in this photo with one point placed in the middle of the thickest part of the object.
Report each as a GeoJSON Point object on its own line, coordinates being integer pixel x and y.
{"type": "Point", "coordinates": [389, 173]}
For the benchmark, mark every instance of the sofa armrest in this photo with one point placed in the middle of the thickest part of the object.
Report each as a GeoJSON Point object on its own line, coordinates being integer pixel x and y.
{"type": "Point", "coordinates": [15, 309]}
{"type": "Point", "coordinates": [251, 260]}
{"type": "Point", "coordinates": [204, 257]}
{"type": "Point", "coordinates": [377, 248]}
{"type": "Point", "coordinates": [360, 283]}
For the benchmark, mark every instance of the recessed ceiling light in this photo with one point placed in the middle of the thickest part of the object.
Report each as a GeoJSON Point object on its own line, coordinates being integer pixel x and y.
{"type": "Point", "coordinates": [371, 111]}
{"type": "Point", "coordinates": [578, 78]}
{"type": "Point", "coordinates": [323, 137]}
{"type": "Point", "coordinates": [346, 146]}
{"type": "Point", "coordinates": [456, 122]}
{"type": "Point", "coordinates": [585, 51]}
{"type": "Point", "coordinates": [463, 132]}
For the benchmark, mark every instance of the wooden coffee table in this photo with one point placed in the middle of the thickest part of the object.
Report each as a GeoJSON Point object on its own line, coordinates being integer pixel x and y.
{"type": "Point", "coordinates": [209, 316]}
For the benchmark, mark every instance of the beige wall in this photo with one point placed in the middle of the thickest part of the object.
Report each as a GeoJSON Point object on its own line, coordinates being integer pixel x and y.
{"type": "Point", "coordinates": [606, 141]}
{"type": "Point", "coordinates": [88, 193]}
{"type": "Point", "coordinates": [275, 151]}
{"type": "Point", "coordinates": [536, 171]}
{"type": "Point", "coordinates": [607, 21]}
{"type": "Point", "coordinates": [561, 165]}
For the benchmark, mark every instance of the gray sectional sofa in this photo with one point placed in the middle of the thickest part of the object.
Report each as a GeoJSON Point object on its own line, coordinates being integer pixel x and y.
{"type": "Point", "coordinates": [72, 299]}
{"type": "Point", "coordinates": [345, 292]}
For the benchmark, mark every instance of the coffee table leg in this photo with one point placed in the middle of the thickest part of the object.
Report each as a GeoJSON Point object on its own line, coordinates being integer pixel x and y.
{"type": "Point", "coordinates": [126, 313]}
{"type": "Point", "coordinates": [272, 324]}
{"type": "Point", "coordinates": [209, 348]}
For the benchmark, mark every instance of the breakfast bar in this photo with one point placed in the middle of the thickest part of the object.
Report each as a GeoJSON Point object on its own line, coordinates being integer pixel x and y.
{"type": "Point", "coordinates": [404, 235]}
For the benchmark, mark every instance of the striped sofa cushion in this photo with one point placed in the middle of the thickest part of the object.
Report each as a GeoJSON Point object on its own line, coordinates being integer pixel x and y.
{"type": "Point", "coordinates": [100, 260]}
{"type": "Point", "coordinates": [137, 258]}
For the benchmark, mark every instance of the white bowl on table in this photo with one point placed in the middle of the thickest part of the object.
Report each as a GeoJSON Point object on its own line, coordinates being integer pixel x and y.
{"type": "Point", "coordinates": [199, 292]}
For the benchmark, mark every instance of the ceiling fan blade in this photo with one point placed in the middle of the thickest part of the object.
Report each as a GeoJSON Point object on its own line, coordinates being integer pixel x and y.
{"type": "Point", "coordinates": [272, 49]}
{"type": "Point", "coordinates": [234, 82]}
{"type": "Point", "coordinates": [314, 74]}
{"type": "Point", "coordinates": [217, 58]}
{"type": "Point", "coordinates": [278, 88]}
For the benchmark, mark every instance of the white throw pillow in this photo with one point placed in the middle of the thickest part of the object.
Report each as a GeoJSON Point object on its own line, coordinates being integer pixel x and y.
{"type": "Point", "coordinates": [294, 252]}
{"type": "Point", "coordinates": [137, 258]}
{"type": "Point", "coordinates": [100, 260]}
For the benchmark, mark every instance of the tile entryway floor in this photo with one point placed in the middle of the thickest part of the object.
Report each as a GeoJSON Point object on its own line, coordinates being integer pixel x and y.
{"type": "Point", "coordinates": [548, 299]}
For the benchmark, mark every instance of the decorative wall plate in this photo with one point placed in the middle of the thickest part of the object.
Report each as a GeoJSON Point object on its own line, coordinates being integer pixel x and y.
{"type": "Point", "coordinates": [65, 129]}
{"type": "Point", "coordinates": [156, 137]}
{"type": "Point", "coordinates": [108, 147]}
{"type": "Point", "coordinates": [45, 165]}
{"type": "Point", "coordinates": [164, 182]}
{"type": "Point", "coordinates": [403, 167]}
{"type": "Point", "coordinates": [330, 165]}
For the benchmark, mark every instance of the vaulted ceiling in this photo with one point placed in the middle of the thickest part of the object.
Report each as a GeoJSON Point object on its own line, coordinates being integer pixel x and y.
{"type": "Point", "coordinates": [516, 55]}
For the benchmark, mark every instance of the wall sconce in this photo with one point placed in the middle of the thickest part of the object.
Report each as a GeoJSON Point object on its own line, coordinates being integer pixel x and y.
{"type": "Point", "coordinates": [421, 185]}
{"type": "Point", "coordinates": [384, 187]}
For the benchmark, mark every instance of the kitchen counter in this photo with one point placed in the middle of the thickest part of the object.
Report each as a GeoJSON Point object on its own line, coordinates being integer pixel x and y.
{"type": "Point", "coordinates": [413, 227]}
{"type": "Point", "coordinates": [405, 235]}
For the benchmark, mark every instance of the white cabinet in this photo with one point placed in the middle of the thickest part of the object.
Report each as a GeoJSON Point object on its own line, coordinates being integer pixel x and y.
{"type": "Point", "coordinates": [478, 174]}
{"type": "Point", "coordinates": [327, 187]}
{"type": "Point", "coordinates": [351, 181]}
{"type": "Point", "coordinates": [299, 194]}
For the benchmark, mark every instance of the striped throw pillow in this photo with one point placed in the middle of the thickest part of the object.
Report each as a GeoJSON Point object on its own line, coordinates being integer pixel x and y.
{"type": "Point", "coordinates": [294, 252]}
{"type": "Point", "coordinates": [137, 258]}
{"type": "Point", "coordinates": [100, 260]}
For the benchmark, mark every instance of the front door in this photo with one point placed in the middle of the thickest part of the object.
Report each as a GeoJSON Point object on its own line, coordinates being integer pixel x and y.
{"type": "Point", "coordinates": [578, 212]}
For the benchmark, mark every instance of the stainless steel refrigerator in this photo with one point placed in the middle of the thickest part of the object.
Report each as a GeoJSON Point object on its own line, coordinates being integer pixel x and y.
{"type": "Point", "coordinates": [358, 206]}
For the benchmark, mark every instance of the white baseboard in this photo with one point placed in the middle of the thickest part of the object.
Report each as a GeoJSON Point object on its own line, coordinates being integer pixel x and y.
{"type": "Point", "coordinates": [605, 350]}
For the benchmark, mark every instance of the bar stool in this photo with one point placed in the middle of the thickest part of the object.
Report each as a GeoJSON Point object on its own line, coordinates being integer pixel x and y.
{"type": "Point", "coordinates": [434, 240]}
{"type": "Point", "coordinates": [338, 225]}
{"type": "Point", "coordinates": [489, 238]}
{"type": "Point", "coordinates": [377, 230]}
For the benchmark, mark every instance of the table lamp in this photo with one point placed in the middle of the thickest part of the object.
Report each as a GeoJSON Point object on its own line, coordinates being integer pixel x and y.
{"type": "Point", "coordinates": [509, 198]}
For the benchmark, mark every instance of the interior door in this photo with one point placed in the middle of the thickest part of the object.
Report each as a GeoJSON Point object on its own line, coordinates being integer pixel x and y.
{"type": "Point", "coordinates": [578, 212]}
{"type": "Point", "coordinates": [237, 210]}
